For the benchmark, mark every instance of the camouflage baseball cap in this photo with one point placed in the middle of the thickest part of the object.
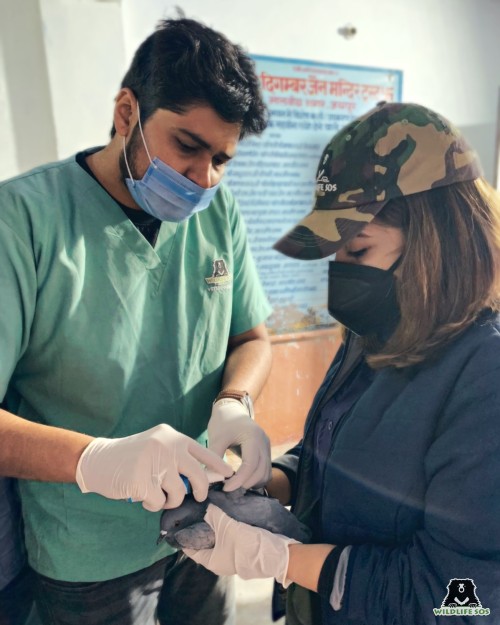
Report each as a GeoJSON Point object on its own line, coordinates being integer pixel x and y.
{"type": "Point", "coordinates": [394, 150]}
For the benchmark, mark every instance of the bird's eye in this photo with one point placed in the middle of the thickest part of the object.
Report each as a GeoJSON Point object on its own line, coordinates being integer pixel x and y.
{"type": "Point", "coordinates": [177, 523]}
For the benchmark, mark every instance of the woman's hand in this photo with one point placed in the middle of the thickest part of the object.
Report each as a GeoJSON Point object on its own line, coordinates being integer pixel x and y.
{"type": "Point", "coordinates": [244, 550]}
{"type": "Point", "coordinates": [252, 553]}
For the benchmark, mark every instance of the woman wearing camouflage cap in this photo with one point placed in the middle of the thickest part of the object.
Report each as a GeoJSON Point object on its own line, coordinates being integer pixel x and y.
{"type": "Point", "coordinates": [398, 472]}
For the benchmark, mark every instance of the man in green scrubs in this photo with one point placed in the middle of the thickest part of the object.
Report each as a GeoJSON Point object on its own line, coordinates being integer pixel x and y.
{"type": "Point", "coordinates": [130, 302]}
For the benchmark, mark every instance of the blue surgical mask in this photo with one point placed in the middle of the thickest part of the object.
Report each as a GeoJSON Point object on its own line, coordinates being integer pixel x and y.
{"type": "Point", "coordinates": [165, 193]}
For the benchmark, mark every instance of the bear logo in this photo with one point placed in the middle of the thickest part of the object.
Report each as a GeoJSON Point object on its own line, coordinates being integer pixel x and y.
{"type": "Point", "coordinates": [219, 268]}
{"type": "Point", "coordinates": [461, 592]}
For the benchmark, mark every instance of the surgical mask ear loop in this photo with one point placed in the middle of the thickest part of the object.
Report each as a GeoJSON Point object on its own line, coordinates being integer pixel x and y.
{"type": "Point", "coordinates": [145, 147]}
{"type": "Point", "coordinates": [142, 135]}
{"type": "Point", "coordinates": [126, 162]}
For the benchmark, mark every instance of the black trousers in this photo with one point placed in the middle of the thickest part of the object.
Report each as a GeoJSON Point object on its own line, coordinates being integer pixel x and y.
{"type": "Point", "coordinates": [16, 599]}
{"type": "Point", "coordinates": [174, 591]}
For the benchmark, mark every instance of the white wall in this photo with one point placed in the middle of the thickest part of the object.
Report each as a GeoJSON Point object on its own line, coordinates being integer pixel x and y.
{"type": "Point", "coordinates": [447, 49]}
{"type": "Point", "coordinates": [85, 53]}
{"type": "Point", "coordinates": [8, 157]}
{"type": "Point", "coordinates": [24, 88]}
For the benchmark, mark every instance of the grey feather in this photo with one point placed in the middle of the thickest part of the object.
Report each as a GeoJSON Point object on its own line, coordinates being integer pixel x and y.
{"type": "Point", "coordinates": [184, 526]}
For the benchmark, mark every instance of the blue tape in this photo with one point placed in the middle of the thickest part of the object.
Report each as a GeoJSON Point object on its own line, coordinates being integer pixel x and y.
{"type": "Point", "coordinates": [187, 485]}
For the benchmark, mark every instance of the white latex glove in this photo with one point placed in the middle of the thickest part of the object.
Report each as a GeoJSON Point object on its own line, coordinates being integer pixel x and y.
{"type": "Point", "coordinates": [244, 550]}
{"type": "Point", "coordinates": [230, 425]}
{"type": "Point", "coordinates": [145, 467]}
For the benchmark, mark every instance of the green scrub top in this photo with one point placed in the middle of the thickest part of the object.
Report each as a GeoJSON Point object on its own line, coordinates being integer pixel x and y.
{"type": "Point", "coordinates": [102, 334]}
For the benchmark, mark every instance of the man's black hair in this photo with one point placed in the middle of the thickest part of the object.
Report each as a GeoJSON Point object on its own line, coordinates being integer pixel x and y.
{"type": "Point", "coordinates": [185, 63]}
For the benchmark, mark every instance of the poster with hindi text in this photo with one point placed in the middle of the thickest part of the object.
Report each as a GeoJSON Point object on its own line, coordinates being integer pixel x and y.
{"type": "Point", "coordinates": [273, 176]}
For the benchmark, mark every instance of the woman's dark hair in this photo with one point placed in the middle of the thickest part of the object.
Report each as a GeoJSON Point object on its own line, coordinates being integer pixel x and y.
{"type": "Point", "coordinates": [449, 271]}
{"type": "Point", "coordinates": [185, 63]}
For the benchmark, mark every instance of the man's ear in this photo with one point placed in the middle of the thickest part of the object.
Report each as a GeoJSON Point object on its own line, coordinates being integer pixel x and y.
{"type": "Point", "coordinates": [125, 113]}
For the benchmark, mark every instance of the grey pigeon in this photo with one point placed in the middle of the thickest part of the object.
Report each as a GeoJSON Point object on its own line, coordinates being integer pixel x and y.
{"type": "Point", "coordinates": [184, 527]}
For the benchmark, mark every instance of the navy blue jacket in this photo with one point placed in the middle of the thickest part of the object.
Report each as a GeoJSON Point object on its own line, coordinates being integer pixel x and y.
{"type": "Point", "coordinates": [412, 482]}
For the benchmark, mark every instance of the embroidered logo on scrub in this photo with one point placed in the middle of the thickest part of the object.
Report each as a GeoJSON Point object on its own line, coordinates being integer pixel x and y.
{"type": "Point", "coordinates": [221, 279]}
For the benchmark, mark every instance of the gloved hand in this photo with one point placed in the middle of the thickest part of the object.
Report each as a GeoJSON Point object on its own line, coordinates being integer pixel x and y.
{"type": "Point", "coordinates": [229, 425]}
{"type": "Point", "coordinates": [244, 550]}
{"type": "Point", "coordinates": [145, 467]}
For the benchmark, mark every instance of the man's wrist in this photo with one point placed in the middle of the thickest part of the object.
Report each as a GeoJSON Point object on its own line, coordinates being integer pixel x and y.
{"type": "Point", "coordinates": [241, 396]}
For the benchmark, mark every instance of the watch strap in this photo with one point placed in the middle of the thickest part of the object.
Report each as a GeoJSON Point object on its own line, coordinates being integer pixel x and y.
{"type": "Point", "coordinates": [241, 396]}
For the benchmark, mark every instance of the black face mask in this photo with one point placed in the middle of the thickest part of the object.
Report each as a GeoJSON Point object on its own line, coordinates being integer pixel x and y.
{"type": "Point", "coordinates": [363, 298]}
